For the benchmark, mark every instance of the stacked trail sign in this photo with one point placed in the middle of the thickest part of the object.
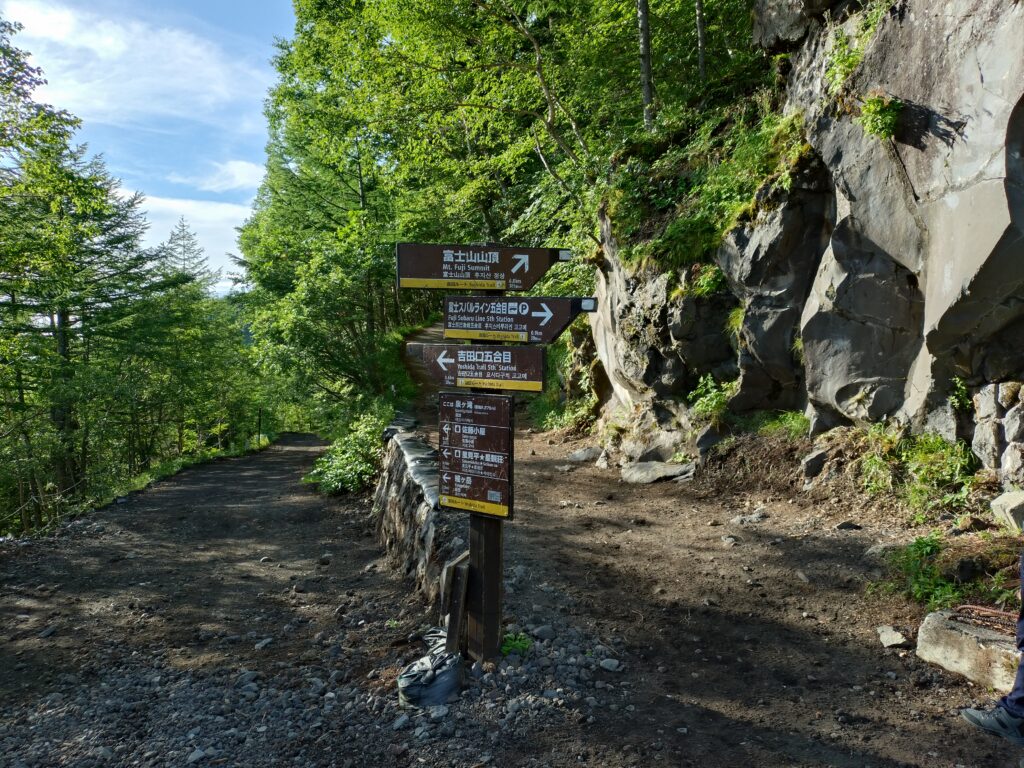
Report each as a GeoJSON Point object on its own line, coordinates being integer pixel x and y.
{"type": "Point", "coordinates": [475, 455]}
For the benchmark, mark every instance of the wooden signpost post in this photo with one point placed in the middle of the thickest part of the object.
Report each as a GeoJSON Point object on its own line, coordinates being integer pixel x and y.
{"type": "Point", "coordinates": [475, 455]}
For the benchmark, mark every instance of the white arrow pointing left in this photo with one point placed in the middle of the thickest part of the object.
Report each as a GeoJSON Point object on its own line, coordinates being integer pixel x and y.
{"type": "Point", "coordinates": [547, 314]}
{"type": "Point", "coordinates": [522, 261]}
{"type": "Point", "coordinates": [443, 360]}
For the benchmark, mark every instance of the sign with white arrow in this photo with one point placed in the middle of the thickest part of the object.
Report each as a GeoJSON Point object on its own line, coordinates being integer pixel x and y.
{"type": "Point", "coordinates": [483, 366]}
{"type": "Point", "coordinates": [536, 320]}
{"type": "Point", "coordinates": [475, 455]}
{"type": "Point", "coordinates": [485, 267]}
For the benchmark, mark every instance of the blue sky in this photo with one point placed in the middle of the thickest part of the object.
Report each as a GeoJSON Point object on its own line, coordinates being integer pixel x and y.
{"type": "Point", "coordinates": [170, 93]}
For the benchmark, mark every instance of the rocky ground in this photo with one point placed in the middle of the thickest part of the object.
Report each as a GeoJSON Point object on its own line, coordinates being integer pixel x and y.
{"type": "Point", "coordinates": [230, 616]}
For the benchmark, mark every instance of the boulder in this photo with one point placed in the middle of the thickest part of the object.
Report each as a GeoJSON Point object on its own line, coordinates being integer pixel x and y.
{"type": "Point", "coordinates": [652, 471]}
{"type": "Point", "coordinates": [1013, 424]}
{"type": "Point", "coordinates": [780, 23]}
{"type": "Point", "coordinates": [1008, 509]}
{"type": "Point", "coordinates": [988, 443]}
{"type": "Point", "coordinates": [860, 329]}
{"type": "Point", "coordinates": [1012, 465]}
{"type": "Point", "coordinates": [814, 462]}
{"type": "Point", "coordinates": [983, 656]}
{"type": "Point", "coordinates": [590, 453]}
{"type": "Point", "coordinates": [890, 637]}
{"type": "Point", "coordinates": [770, 262]}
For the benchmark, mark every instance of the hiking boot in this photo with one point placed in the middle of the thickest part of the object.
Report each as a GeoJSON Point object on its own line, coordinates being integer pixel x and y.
{"type": "Point", "coordinates": [997, 721]}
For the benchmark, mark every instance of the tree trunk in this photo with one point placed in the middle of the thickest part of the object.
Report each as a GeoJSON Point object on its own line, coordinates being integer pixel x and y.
{"type": "Point", "coordinates": [61, 413]}
{"type": "Point", "coordinates": [646, 77]}
{"type": "Point", "coordinates": [702, 42]}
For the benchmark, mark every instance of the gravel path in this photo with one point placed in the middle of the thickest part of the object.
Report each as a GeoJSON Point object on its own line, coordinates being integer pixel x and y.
{"type": "Point", "coordinates": [230, 616]}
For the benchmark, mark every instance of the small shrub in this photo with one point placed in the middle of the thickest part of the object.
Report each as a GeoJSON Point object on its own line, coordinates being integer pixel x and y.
{"type": "Point", "coordinates": [928, 572]}
{"type": "Point", "coordinates": [792, 424]}
{"type": "Point", "coordinates": [710, 400]}
{"type": "Point", "coordinates": [879, 115]}
{"type": "Point", "coordinates": [939, 473]}
{"type": "Point", "coordinates": [734, 325]}
{"type": "Point", "coordinates": [350, 464]}
{"type": "Point", "coordinates": [518, 643]}
{"type": "Point", "coordinates": [553, 408]}
{"type": "Point", "coordinates": [923, 581]}
{"type": "Point", "coordinates": [848, 51]}
{"type": "Point", "coordinates": [959, 396]}
{"type": "Point", "coordinates": [798, 350]}
{"type": "Point", "coordinates": [926, 470]}
{"type": "Point", "coordinates": [708, 280]}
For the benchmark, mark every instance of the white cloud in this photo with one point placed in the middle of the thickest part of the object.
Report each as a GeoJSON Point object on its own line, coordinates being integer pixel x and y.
{"type": "Point", "coordinates": [226, 177]}
{"type": "Point", "coordinates": [214, 225]}
{"type": "Point", "coordinates": [128, 72]}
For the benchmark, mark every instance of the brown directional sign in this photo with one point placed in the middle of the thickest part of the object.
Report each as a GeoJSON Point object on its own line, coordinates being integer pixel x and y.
{"type": "Point", "coordinates": [485, 367]}
{"type": "Point", "coordinates": [531, 319]}
{"type": "Point", "coordinates": [496, 267]}
{"type": "Point", "coordinates": [475, 453]}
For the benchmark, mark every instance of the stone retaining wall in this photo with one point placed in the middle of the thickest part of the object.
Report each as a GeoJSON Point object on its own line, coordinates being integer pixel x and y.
{"type": "Point", "coordinates": [419, 539]}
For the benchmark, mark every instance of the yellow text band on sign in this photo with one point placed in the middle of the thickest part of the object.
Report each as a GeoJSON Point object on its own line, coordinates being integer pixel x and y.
{"type": "Point", "coordinates": [458, 333]}
{"type": "Point", "coordinates": [483, 507]}
{"type": "Point", "coordinates": [521, 386]}
{"type": "Point", "coordinates": [430, 282]}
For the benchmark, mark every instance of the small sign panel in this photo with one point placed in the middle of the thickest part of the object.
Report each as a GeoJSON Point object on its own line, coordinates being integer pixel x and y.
{"type": "Point", "coordinates": [486, 267]}
{"type": "Point", "coordinates": [475, 453]}
{"type": "Point", "coordinates": [518, 369]}
{"type": "Point", "coordinates": [530, 319]}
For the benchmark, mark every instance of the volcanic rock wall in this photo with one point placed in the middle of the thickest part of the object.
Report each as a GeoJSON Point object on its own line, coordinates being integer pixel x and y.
{"type": "Point", "coordinates": [889, 270]}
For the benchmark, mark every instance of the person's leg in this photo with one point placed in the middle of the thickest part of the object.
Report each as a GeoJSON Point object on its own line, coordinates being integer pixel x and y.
{"type": "Point", "coordinates": [1006, 719]}
{"type": "Point", "coordinates": [1013, 702]}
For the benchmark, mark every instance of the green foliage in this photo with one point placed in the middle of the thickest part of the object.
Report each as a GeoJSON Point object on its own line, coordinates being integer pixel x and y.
{"type": "Point", "coordinates": [879, 115]}
{"type": "Point", "coordinates": [518, 643]}
{"type": "Point", "coordinates": [926, 470]}
{"type": "Point", "coordinates": [848, 50]}
{"type": "Point", "coordinates": [959, 396]}
{"type": "Point", "coordinates": [924, 579]}
{"type": "Point", "coordinates": [798, 350]}
{"type": "Point", "coordinates": [734, 325]}
{"type": "Point", "coordinates": [350, 464]}
{"type": "Point", "coordinates": [673, 202]}
{"type": "Point", "coordinates": [709, 400]}
{"type": "Point", "coordinates": [568, 401]}
{"type": "Point", "coordinates": [708, 280]}
{"type": "Point", "coordinates": [116, 363]}
{"type": "Point", "coordinates": [791, 424]}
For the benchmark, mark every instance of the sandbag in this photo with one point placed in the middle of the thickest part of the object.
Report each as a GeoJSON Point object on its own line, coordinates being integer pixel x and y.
{"type": "Point", "coordinates": [430, 680]}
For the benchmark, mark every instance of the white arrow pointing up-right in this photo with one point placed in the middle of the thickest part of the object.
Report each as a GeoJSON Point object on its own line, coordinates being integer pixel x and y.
{"type": "Point", "coordinates": [522, 261]}
{"type": "Point", "coordinates": [547, 314]}
{"type": "Point", "coordinates": [443, 360]}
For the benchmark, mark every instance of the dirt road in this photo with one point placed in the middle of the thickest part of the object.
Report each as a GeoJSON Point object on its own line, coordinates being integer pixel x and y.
{"type": "Point", "coordinates": [230, 616]}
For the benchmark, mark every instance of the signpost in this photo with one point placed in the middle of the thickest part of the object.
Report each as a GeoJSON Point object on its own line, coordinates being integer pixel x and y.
{"type": "Point", "coordinates": [486, 267]}
{"type": "Point", "coordinates": [519, 369]}
{"type": "Point", "coordinates": [475, 456]}
{"type": "Point", "coordinates": [529, 319]}
{"type": "Point", "coordinates": [475, 453]}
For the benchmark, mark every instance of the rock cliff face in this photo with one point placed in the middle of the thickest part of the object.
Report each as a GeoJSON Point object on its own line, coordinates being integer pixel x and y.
{"type": "Point", "coordinates": [896, 264]}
